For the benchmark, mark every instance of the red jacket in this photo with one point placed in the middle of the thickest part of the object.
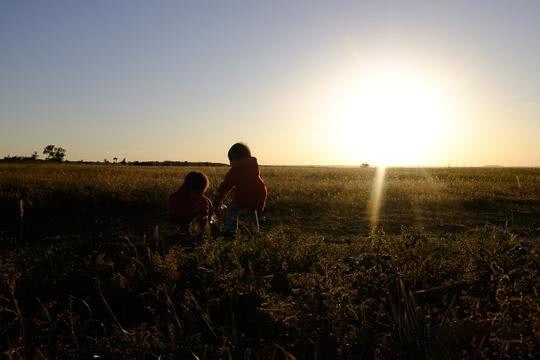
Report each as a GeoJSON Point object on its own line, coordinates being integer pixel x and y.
{"type": "Point", "coordinates": [249, 188]}
{"type": "Point", "coordinates": [185, 206]}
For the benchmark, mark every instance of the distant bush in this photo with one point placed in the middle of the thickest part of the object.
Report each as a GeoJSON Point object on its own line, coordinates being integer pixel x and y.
{"type": "Point", "coordinates": [54, 153]}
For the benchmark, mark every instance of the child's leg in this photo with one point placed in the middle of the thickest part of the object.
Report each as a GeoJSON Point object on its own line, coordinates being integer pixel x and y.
{"type": "Point", "coordinates": [202, 222]}
{"type": "Point", "coordinates": [254, 220]}
{"type": "Point", "coordinates": [231, 221]}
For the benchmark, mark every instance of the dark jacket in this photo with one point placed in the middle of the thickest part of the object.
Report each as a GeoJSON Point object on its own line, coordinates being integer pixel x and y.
{"type": "Point", "coordinates": [249, 188]}
{"type": "Point", "coordinates": [185, 205]}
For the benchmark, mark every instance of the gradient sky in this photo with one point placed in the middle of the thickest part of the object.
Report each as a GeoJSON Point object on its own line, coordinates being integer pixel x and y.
{"type": "Point", "coordinates": [183, 80]}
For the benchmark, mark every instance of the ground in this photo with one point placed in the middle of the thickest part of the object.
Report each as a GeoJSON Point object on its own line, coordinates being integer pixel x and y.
{"type": "Point", "coordinates": [91, 266]}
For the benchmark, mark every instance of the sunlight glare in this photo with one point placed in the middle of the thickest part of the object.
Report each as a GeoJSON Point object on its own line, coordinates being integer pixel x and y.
{"type": "Point", "coordinates": [375, 202]}
{"type": "Point", "coordinates": [390, 116]}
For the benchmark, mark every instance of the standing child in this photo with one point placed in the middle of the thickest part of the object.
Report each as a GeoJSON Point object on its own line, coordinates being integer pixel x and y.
{"type": "Point", "coordinates": [189, 203]}
{"type": "Point", "coordinates": [249, 189]}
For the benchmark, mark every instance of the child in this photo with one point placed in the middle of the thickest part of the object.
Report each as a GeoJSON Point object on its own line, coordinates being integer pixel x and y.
{"type": "Point", "coordinates": [249, 188]}
{"type": "Point", "coordinates": [189, 203]}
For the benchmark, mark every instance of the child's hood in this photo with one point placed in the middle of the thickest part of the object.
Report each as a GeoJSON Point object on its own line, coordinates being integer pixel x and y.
{"type": "Point", "coordinates": [248, 165]}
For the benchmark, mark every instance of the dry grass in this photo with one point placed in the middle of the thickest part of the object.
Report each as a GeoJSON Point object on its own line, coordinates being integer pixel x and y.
{"type": "Point", "coordinates": [452, 272]}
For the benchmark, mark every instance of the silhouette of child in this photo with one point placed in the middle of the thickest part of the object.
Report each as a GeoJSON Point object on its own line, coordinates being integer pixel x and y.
{"type": "Point", "coordinates": [249, 189]}
{"type": "Point", "coordinates": [189, 203]}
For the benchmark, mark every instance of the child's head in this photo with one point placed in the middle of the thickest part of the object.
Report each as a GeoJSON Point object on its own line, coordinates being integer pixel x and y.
{"type": "Point", "coordinates": [196, 181]}
{"type": "Point", "coordinates": [238, 151]}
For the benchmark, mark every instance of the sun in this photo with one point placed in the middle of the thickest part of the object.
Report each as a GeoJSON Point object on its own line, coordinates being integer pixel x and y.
{"type": "Point", "coordinates": [391, 116]}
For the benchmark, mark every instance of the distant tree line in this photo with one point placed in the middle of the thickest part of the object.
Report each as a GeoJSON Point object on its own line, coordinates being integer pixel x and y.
{"type": "Point", "coordinates": [148, 163]}
{"type": "Point", "coordinates": [51, 152]}
{"type": "Point", "coordinates": [174, 163]}
{"type": "Point", "coordinates": [58, 154]}
{"type": "Point", "coordinates": [17, 158]}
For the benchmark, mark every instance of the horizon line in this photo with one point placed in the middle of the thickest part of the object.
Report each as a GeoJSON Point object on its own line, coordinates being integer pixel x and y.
{"type": "Point", "coordinates": [211, 163]}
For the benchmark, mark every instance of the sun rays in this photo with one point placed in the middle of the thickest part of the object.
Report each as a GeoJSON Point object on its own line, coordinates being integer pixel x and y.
{"type": "Point", "coordinates": [417, 198]}
{"type": "Point", "coordinates": [376, 198]}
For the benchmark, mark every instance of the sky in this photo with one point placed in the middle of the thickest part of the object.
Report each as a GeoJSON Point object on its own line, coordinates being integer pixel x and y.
{"type": "Point", "coordinates": [407, 83]}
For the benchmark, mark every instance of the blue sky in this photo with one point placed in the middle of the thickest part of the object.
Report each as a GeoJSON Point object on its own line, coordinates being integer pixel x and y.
{"type": "Point", "coordinates": [183, 80]}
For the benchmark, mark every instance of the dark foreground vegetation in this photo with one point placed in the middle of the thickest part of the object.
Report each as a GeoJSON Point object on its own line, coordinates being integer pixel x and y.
{"type": "Point", "coordinates": [90, 267]}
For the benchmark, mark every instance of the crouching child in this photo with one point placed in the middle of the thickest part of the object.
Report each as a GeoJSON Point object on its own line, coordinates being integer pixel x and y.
{"type": "Point", "coordinates": [189, 204]}
{"type": "Point", "coordinates": [249, 190]}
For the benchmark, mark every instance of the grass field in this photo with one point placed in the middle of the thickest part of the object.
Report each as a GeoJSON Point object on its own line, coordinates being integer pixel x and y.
{"type": "Point", "coordinates": [89, 266]}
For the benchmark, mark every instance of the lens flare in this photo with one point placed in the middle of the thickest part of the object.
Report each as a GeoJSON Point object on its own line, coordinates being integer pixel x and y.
{"type": "Point", "coordinates": [375, 202]}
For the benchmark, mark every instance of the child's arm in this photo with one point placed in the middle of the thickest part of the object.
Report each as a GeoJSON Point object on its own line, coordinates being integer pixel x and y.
{"type": "Point", "coordinates": [228, 183]}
